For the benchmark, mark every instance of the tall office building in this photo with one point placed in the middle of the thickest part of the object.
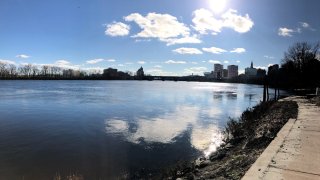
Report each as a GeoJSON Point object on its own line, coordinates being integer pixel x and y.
{"type": "Point", "coordinates": [218, 71]}
{"type": "Point", "coordinates": [232, 71]}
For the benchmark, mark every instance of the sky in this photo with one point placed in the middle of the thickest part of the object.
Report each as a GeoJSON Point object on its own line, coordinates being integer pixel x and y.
{"type": "Point", "coordinates": [165, 37]}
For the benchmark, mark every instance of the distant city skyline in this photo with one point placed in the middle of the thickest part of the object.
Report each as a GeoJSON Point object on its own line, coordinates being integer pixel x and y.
{"type": "Point", "coordinates": [166, 37]}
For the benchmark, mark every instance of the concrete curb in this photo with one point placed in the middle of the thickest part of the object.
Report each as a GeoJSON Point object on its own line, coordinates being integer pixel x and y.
{"type": "Point", "coordinates": [258, 169]}
{"type": "Point", "coordinates": [294, 154]}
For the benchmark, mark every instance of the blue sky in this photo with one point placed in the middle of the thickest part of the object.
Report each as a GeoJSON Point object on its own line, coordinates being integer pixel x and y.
{"type": "Point", "coordinates": [166, 37]}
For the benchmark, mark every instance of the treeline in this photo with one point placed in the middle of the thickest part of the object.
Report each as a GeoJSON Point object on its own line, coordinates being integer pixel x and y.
{"type": "Point", "coordinates": [29, 71]}
{"type": "Point", "coordinates": [300, 68]}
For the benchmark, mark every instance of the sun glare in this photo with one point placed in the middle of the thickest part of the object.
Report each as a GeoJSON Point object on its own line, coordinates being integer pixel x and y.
{"type": "Point", "coordinates": [217, 6]}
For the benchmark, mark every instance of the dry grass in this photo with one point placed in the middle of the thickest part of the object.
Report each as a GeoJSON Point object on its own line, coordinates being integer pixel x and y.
{"type": "Point", "coordinates": [72, 176]}
{"type": "Point", "coordinates": [246, 138]}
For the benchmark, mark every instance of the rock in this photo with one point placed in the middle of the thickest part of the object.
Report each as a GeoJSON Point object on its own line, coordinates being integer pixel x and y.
{"type": "Point", "coordinates": [201, 162]}
{"type": "Point", "coordinates": [228, 146]}
{"type": "Point", "coordinates": [218, 155]}
{"type": "Point", "coordinates": [189, 176]}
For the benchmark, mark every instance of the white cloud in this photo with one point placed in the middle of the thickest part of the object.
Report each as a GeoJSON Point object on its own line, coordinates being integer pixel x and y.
{"type": "Point", "coordinates": [238, 50]}
{"type": "Point", "coordinates": [111, 60]}
{"type": "Point", "coordinates": [94, 61]}
{"type": "Point", "coordinates": [117, 29]}
{"type": "Point", "coordinates": [241, 71]}
{"type": "Point", "coordinates": [305, 24]}
{"type": "Point", "coordinates": [25, 63]}
{"type": "Point", "coordinates": [205, 139]}
{"type": "Point", "coordinates": [141, 62]}
{"type": "Point", "coordinates": [120, 65]}
{"type": "Point", "coordinates": [64, 64]}
{"type": "Point", "coordinates": [3, 61]}
{"type": "Point", "coordinates": [214, 61]}
{"type": "Point", "coordinates": [184, 50]}
{"type": "Point", "coordinates": [214, 50]}
{"type": "Point", "coordinates": [268, 57]}
{"type": "Point", "coordinates": [261, 67]}
{"type": "Point", "coordinates": [238, 61]}
{"type": "Point", "coordinates": [184, 40]}
{"type": "Point", "coordinates": [204, 21]}
{"type": "Point", "coordinates": [285, 32]}
{"type": "Point", "coordinates": [160, 72]}
{"type": "Point", "coordinates": [160, 26]}
{"type": "Point", "coordinates": [23, 56]}
{"type": "Point", "coordinates": [94, 70]}
{"type": "Point", "coordinates": [175, 62]}
{"type": "Point", "coordinates": [195, 70]}
{"type": "Point", "coordinates": [194, 63]}
{"type": "Point", "coordinates": [298, 30]}
{"type": "Point", "coordinates": [236, 22]}
{"type": "Point", "coordinates": [226, 62]}
{"type": "Point", "coordinates": [157, 66]}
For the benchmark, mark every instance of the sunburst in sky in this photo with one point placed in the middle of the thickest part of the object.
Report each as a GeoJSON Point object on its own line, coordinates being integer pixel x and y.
{"type": "Point", "coordinates": [217, 6]}
{"type": "Point", "coordinates": [166, 37]}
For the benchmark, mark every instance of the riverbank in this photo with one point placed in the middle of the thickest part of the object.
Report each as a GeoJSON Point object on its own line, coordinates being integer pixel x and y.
{"type": "Point", "coordinates": [245, 139]}
{"type": "Point", "coordinates": [294, 153]}
{"type": "Point", "coordinates": [315, 100]}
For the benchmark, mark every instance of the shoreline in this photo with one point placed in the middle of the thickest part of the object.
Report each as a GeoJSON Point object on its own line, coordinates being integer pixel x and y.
{"type": "Point", "coordinates": [245, 139]}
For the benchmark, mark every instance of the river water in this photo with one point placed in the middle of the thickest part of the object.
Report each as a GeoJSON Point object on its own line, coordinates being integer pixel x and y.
{"type": "Point", "coordinates": [108, 129]}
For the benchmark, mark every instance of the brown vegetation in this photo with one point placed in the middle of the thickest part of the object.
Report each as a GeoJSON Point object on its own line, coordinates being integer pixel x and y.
{"type": "Point", "coordinates": [245, 140]}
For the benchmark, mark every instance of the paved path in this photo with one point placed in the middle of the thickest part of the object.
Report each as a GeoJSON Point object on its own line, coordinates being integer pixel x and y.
{"type": "Point", "coordinates": [295, 152]}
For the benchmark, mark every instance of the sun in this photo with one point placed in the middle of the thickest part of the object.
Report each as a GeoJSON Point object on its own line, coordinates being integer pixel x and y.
{"type": "Point", "coordinates": [217, 6]}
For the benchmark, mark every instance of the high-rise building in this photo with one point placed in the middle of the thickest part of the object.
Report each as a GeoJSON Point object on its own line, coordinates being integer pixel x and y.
{"type": "Point", "coordinates": [140, 72]}
{"type": "Point", "coordinates": [225, 73]}
{"type": "Point", "coordinates": [218, 71]}
{"type": "Point", "coordinates": [251, 71]}
{"type": "Point", "coordinates": [232, 71]}
{"type": "Point", "coordinates": [218, 67]}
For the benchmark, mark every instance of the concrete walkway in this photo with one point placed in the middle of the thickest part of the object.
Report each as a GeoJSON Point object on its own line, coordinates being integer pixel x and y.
{"type": "Point", "coordinates": [295, 152]}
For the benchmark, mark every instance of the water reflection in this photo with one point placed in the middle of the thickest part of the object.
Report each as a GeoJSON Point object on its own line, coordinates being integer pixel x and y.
{"type": "Point", "coordinates": [221, 94]}
{"type": "Point", "coordinates": [167, 127]}
{"type": "Point", "coordinates": [108, 127]}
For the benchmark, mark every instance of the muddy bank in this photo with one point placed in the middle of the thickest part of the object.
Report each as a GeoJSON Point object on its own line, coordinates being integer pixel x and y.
{"type": "Point", "coordinates": [315, 100]}
{"type": "Point", "coordinates": [245, 139]}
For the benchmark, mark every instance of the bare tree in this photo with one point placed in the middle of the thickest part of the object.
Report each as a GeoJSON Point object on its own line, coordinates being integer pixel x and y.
{"type": "Point", "coordinates": [45, 70]}
{"type": "Point", "coordinates": [300, 54]}
{"type": "Point", "coordinates": [35, 70]}
{"type": "Point", "coordinates": [28, 69]}
{"type": "Point", "coordinates": [12, 70]}
{"type": "Point", "coordinates": [301, 66]}
{"type": "Point", "coordinates": [22, 71]}
{"type": "Point", "coordinates": [3, 70]}
{"type": "Point", "coordinates": [56, 71]}
{"type": "Point", "coordinates": [25, 70]}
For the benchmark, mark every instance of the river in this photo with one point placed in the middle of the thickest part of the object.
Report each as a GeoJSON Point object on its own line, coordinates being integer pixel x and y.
{"type": "Point", "coordinates": [112, 128]}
